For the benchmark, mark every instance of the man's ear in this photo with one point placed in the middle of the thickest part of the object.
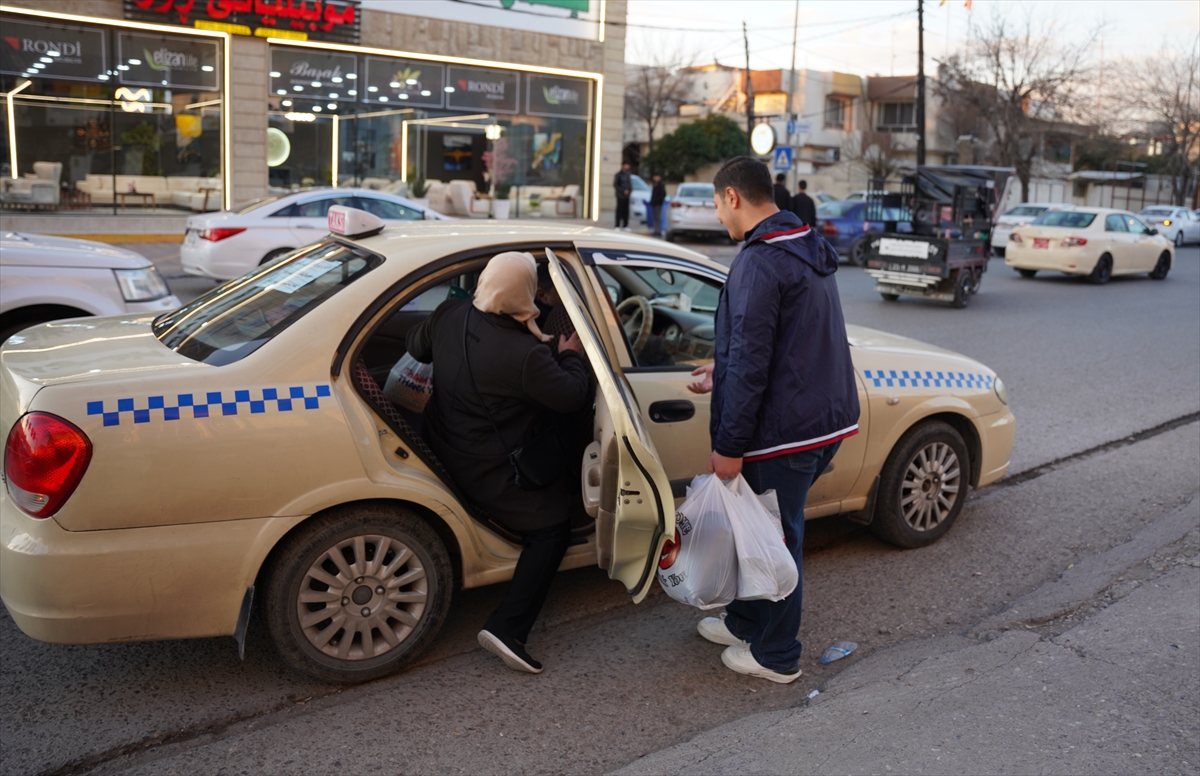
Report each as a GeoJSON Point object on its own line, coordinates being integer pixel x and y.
{"type": "Point", "coordinates": [732, 199]}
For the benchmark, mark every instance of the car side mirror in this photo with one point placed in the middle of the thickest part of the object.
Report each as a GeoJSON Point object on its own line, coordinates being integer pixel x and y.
{"type": "Point", "coordinates": [1153, 231]}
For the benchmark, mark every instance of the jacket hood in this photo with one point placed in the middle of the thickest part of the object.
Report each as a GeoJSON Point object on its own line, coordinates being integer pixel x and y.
{"type": "Point", "coordinates": [786, 232]}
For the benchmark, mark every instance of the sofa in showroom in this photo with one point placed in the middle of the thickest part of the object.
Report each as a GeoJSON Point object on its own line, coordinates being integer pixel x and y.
{"type": "Point", "coordinates": [552, 201]}
{"type": "Point", "coordinates": [38, 189]}
{"type": "Point", "coordinates": [465, 201]}
{"type": "Point", "coordinates": [184, 191]}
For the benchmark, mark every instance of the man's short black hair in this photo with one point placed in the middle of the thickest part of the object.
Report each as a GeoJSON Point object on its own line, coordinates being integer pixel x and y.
{"type": "Point", "coordinates": [748, 177]}
{"type": "Point", "coordinates": [781, 177]}
{"type": "Point", "coordinates": [803, 185]}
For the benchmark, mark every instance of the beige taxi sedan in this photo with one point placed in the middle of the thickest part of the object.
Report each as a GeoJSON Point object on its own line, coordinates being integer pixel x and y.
{"type": "Point", "coordinates": [166, 475]}
{"type": "Point", "coordinates": [1096, 243]}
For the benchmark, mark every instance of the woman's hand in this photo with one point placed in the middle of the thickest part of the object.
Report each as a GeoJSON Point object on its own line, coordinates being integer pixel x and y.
{"type": "Point", "coordinates": [703, 385]}
{"type": "Point", "coordinates": [570, 343]}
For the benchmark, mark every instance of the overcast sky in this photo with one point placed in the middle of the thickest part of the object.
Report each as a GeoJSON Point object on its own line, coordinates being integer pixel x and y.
{"type": "Point", "coordinates": [879, 37]}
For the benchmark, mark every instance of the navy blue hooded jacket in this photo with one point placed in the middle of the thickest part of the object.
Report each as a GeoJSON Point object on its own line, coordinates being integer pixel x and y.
{"type": "Point", "coordinates": [783, 380]}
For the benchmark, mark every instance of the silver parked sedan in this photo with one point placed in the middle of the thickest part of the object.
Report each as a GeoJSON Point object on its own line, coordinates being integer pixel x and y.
{"type": "Point", "coordinates": [692, 211]}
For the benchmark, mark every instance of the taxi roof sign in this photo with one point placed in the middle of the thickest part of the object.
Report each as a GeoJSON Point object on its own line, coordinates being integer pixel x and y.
{"type": "Point", "coordinates": [352, 222]}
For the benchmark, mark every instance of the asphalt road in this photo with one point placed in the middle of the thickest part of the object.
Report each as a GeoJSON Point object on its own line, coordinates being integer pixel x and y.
{"type": "Point", "coordinates": [1086, 368]}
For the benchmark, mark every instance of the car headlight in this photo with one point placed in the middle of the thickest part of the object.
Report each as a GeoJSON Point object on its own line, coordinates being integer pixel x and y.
{"type": "Point", "coordinates": [1001, 391]}
{"type": "Point", "coordinates": [141, 285]}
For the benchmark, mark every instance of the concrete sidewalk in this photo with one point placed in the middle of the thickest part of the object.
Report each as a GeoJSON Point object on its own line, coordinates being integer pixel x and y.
{"type": "Point", "coordinates": [1096, 672]}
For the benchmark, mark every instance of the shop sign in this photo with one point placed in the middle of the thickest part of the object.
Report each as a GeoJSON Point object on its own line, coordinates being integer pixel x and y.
{"type": "Point", "coordinates": [179, 63]}
{"type": "Point", "coordinates": [337, 21]}
{"type": "Point", "coordinates": [405, 81]}
{"type": "Point", "coordinates": [473, 88]}
{"type": "Point", "coordinates": [45, 51]}
{"type": "Point", "coordinates": [317, 75]}
{"type": "Point", "coordinates": [548, 95]}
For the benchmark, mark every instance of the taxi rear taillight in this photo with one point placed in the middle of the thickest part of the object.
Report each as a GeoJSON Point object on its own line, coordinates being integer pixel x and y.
{"type": "Point", "coordinates": [44, 460]}
{"type": "Point", "coordinates": [215, 235]}
{"type": "Point", "coordinates": [1074, 242]}
{"type": "Point", "coordinates": [1015, 237]}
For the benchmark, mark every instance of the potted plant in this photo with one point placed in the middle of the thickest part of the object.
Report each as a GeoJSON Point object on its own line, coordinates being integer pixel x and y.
{"type": "Point", "coordinates": [535, 204]}
{"type": "Point", "coordinates": [418, 189]}
{"type": "Point", "coordinates": [500, 202]}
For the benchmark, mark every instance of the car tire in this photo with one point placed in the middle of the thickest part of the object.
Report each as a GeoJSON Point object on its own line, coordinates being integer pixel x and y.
{"type": "Point", "coordinates": [931, 464]}
{"type": "Point", "coordinates": [417, 591]}
{"type": "Point", "coordinates": [963, 284]}
{"type": "Point", "coordinates": [1162, 267]}
{"type": "Point", "coordinates": [890, 297]}
{"type": "Point", "coordinates": [1179, 239]}
{"type": "Point", "coordinates": [275, 254]}
{"type": "Point", "coordinates": [670, 236]}
{"type": "Point", "coordinates": [1027, 273]}
{"type": "Point", "coordinates": [1102, 272]}
{"type": "Point", "coordinates": [856, 257]}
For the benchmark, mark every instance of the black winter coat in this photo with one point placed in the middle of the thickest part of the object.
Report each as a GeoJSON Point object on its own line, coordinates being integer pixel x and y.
{"type": "Point", "coordinates": [804, 208]}
{"type": "Point", "coordinates": [783, 200]}
{"type": "Point", "coordinates": [523, 385]}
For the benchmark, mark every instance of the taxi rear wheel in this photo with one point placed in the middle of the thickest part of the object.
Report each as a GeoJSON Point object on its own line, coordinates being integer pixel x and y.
{"type": "Point", "coordinates": [922, 486]}
{"type": "Point", "coordinates": [356, 593]}
{"type": "Point", "coordinates": [1102, 272]}
{"type": "Point", "coordinates": [1027, 273]}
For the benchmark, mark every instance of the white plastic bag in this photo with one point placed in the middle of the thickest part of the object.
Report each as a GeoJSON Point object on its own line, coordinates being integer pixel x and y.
{"type": "Point", "coordinates": [766, 569]}
{"type": "Point", "coordinates": [699, 567]}
{"type": "Point", "coordinates": [409, 384]}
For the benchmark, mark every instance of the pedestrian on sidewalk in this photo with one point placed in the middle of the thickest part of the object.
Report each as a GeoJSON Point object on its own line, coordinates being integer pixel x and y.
{"type": "Point", "coordinates": [803, 205]}
{"type": "Point", "coordinates": [783, 393]}
{"type": "Point", "coordinates": [655, 214]}
{"type": "Point", "coordinates": [783, 200]}
{"type": "Point", "coordinates": [623, 186]}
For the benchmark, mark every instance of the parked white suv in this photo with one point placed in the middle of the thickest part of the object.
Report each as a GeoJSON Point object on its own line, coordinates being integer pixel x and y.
{"type": "Point", "coordinates": [46, 278]}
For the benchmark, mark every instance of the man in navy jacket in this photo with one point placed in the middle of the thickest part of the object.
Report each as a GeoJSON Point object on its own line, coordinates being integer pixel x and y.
{"type": "Point", "coordinates": [783, 392]}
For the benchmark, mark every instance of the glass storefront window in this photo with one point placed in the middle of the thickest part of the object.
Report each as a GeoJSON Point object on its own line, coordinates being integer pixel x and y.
{"type": "Point", "coordinates": [110, 120]}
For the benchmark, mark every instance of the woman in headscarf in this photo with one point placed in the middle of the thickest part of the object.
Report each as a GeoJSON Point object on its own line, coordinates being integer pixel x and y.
{"type": "Point", "coordinates": [496, 386]}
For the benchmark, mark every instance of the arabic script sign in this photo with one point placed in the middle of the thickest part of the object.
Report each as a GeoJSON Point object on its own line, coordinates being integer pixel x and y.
{"type": "Point", "coordinates": [337, 21]}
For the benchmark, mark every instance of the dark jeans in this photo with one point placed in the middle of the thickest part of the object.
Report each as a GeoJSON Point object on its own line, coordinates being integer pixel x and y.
{"type": "Point", "coordinates": [622, 211]}
{"type": "Point", "coordinates": [539, 562]}
{"type": "Point", "coordinates": [654, 218]}
{"type": "Point", "coordinates": [773, 627]}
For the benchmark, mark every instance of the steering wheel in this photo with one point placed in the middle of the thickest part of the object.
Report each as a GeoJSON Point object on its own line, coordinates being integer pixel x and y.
{"type": "Point", "coordinates": [637, 319]}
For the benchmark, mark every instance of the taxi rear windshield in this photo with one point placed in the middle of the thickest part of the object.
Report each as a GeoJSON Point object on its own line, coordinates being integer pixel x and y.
{"type": "Point", "coordinates": [234, 320]}
{"type": "Point", "coordinates": [1068, 218]}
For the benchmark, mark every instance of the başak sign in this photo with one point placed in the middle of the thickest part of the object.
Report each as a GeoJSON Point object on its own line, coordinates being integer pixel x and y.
{"type": "Point", "coordinates": [75, 53]}
{"type": "Point", "coordinates": [317, 75]}
{"type": "Point", "coordinates": [336, 21]}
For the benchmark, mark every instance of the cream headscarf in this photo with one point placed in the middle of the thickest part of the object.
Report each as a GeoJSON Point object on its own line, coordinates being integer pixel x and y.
{"type": "Point", "coordinates": [507, 286]}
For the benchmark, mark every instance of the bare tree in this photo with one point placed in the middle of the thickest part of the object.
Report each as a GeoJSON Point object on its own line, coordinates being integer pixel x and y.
{"type": "Point", "coordinates": [1017, 78]}
{"type": "Point", "coordinates": [1165, 90]}
{"type": "Point", "coordinates": [658, 87]}
{"type": "Point", "coordinates": [872, 152]}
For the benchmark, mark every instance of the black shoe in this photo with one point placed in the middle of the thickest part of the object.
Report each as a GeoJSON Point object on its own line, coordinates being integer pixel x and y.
{"type": "Point", "coordinates": [510, 651]}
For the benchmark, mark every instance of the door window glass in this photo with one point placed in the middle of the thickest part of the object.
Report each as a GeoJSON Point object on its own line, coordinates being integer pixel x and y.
{"type": "Point", "coordinates": [386, 209]}
{"type": "Point", "coordinates": [318, 208]}
{"type": "Point", "coordinates": [1135, 226]}
{"type": "Point", "coordinates": [666, 313]}
{"type": "Point", "coordinates": [1114, 223]}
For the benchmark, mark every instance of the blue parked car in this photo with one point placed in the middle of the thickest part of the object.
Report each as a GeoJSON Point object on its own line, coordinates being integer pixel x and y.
{"type": "Point", "coordinates": [843, 223]}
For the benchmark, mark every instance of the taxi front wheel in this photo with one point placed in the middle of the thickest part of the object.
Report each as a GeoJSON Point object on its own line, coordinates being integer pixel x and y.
{"type": "Point", "coordinates": [354, 594]}
{"type": "Point", "coordinates": [922, 486]}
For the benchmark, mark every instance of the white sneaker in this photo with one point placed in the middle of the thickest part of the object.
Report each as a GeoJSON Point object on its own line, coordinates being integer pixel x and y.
{"type": "Point", "coordinates": [715, 630]}
{"type": "Point", "coordinates": [738, 658]}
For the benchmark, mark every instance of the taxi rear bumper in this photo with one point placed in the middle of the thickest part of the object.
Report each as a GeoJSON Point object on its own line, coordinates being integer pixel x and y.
{"type": "Point", "coordinates": [1073, 261]}
{"type": "Point", "coordinates": [133, 584]}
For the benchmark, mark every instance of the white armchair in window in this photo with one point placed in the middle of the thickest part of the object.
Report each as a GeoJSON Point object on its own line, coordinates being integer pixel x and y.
{"type": "Point", "coordinates": [36, 189]}
{"type": "Point", "coordinates": [466, 201]}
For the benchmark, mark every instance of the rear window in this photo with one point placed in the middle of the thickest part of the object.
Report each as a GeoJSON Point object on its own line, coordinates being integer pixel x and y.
{"type": "Point", "coordinates": [1069, 218]}
{"type": "Point", "coordinates": [702, 191]}
{"type": "Point", "coordinates": [1026, 210]}
{"type": "Point", "coordinates": [837, 208]}
{"type": "Point", "coordinates": [1156, 211]}
{"type": "Point", "coordinates": [234, 320]}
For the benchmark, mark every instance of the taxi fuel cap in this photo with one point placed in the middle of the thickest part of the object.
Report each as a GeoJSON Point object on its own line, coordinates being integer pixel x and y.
{"type": "Point", "coordinates": [352, 222]}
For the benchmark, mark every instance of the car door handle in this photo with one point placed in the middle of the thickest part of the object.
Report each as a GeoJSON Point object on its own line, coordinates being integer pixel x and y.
{"type": "Point", "coordinates": [672, 411]}
{"type": "Point", "coordinates": [305, 226]}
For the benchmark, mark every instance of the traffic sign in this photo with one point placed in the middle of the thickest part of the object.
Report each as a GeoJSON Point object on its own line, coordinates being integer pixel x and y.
{"type": "Point", "coordinates": [801, 128]}
{"type": "Point", "coordinates": [783, 158]}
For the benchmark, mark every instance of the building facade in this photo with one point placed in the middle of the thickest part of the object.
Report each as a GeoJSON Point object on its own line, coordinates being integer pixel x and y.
{"type": "Point", "coordinates": [178, 106]}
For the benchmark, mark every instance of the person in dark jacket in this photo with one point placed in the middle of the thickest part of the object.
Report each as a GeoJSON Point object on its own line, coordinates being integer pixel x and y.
{"type": "Point", "coordinates": [803, 205]}
{"type": "Point", "coordinates": [783, 392]}
{"type": "Point", "coordinates": [658, 197]}
{"type": "Point", "coordinates": [783, 200]}
{"type": "Point", "coordinates": [623, 188]}
{"type": "Point", "coordinates": [495, 387]}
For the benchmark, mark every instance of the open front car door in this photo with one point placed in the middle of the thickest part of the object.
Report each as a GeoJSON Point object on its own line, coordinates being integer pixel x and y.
{"type": "Point", "coordinates": [624, 485]}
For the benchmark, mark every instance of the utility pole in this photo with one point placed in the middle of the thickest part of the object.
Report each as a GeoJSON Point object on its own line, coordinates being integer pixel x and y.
{"type": "Point", "coordinates": [920, 83]}
{"type": "Point", "coordinates": [749, 94]}
{"type": "Point", "coordinates": [791, 117]}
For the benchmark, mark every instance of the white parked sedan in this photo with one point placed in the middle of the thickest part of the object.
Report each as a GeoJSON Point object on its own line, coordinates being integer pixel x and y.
{"type": "Point", "coordinates": [230, 243]}
{"type": "Point", "coordinates": [46, 278]}
{"type": "Point", "coordinates": [1019, 216]}
{"type": "Point", "coordinates": [1177, 224]}
{"type": "Point", "coordinates": [692, 211]}
{"type": "Point", "coordinates": [1097, 243]}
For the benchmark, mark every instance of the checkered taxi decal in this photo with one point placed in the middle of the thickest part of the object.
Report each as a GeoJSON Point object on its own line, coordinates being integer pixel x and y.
{"type": "Point", "coordinates": [203, 405]}
{"type": "Point", "coordinates": [894, 378]}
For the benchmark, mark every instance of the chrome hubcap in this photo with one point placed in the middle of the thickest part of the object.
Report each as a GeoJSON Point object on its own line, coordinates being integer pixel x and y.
{"type": "Point", "coordinates": [362, 597]}
{"type": "Point", "coordinates": [931, 486]}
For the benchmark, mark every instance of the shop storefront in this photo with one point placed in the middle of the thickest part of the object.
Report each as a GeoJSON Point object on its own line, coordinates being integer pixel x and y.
{"type": "Point", "coordinates": [129, 116]}
{"type": "Point", "coordinates": [111, 117]}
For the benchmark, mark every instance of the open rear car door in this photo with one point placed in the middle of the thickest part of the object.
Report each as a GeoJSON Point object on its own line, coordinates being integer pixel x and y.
{"type": "Point", "coordinates": [624, 485]}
